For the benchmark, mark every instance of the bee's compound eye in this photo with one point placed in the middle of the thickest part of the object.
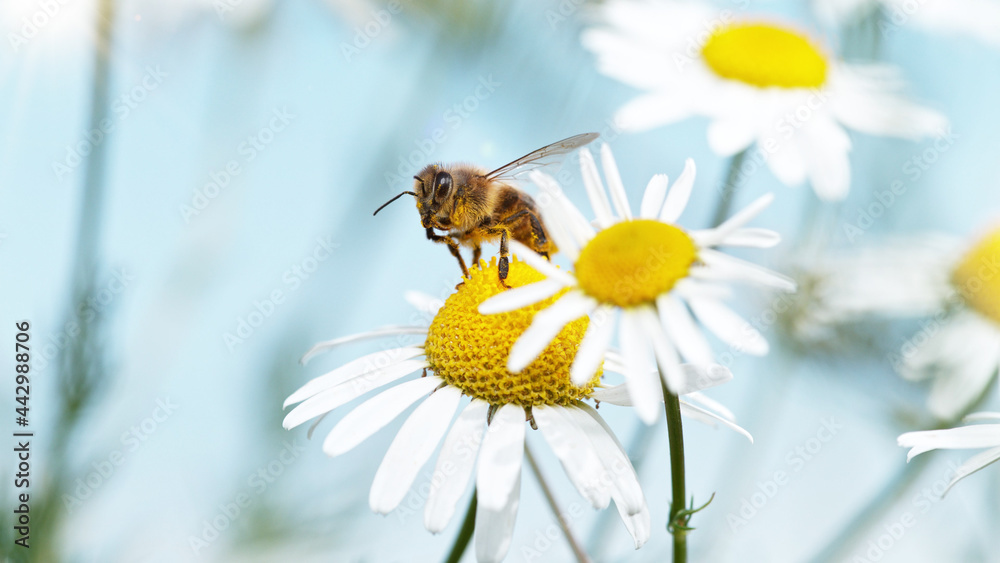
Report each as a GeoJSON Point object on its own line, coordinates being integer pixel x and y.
{"type": "Point", "coordinates": [443, 185]}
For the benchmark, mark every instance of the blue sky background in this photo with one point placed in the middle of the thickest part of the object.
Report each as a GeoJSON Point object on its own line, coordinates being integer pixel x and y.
{"type": "Point", "coordinates": [350, 122]}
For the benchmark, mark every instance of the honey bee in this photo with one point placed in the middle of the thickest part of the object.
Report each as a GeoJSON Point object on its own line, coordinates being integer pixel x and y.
{"type": "Point", "coordinates": [471, 206]}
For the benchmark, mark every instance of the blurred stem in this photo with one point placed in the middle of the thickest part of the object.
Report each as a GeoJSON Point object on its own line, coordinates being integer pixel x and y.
{"type": "Point", "coordinates": [81, 364]}
{"type": "Point", "coordinates": [728, 191]}
{"type": "Point", "coordinates": [898, 484]}
{"type": "Point", "coordinates": [677, 524]}
{"type": "Point", "coordinates": [574, 545]}
{"type": "Point", "coordinates": [465, 533]}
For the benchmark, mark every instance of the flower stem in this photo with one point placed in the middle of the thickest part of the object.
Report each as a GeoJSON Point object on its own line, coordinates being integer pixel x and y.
{"type": "Point", "coordinates": [574, 545]}
{"type": "Point", "coordinates": [728, 191]}
{"type": "Point", "coordinates": [678, 522]}
{"type": "Point", "coordinates": [465, 533]}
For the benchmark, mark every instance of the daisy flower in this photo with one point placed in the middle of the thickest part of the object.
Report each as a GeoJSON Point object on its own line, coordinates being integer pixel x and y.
{"type": "Point", "coordinates": [464, 354]}
{"type": "Point", "coordinates": [956, 284]}
{"type": "Point", "coordinates": [757, 81]}
{"type": "Point", "coordinates": [658, 277]}
{"type": "Point", "coordinates": [962, 438]}
{"type": "Point", "coordinates": [975, 18]}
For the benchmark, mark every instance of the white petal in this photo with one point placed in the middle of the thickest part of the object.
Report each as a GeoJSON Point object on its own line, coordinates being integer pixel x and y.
{"type": "Point", "coordinates": [731, 328]}
{"type": "Point", "coordinates": [747, 237]}
{"type": "Point", "coordinates": [423, 302]}
{"type": "Point", "coordinates": [546, 326]}
{"type": "Point", "coordinates": [384, 331]}
{"type": "Point", "coordinates": [682, 330]}
{"type": "Point", "coordinates": [652, 198]}
{"type": "Point", "coordinates": [454, 465]}
{"type": "Point", "coordinates": [411, 448]}
{"type": "Point", "coordinates": [365, 365]}
{"type": "Point", "coordinates": [595, 189]}
{"type": "Point", "coordinates": [500, 458]}
{"type": "Point", "coordinates": [548, 269]}
{"type": "Point", "coordinates": [618, 467]}
{"type": "Point", "coordinates": [567, 227]}
{"type": "Point", "coordinates": [494, 528]}
{"type": "Point", "coordinates": [638, 525]}
{"type": "Point", "coordinates": [973, 464]}
{"type": "Point", "coordinates": [615, 394]}
{"type": "Point", "coordinates": [680, 193]}
{"type": "Point", "coordinates": [666, 355]}
{"type": "Point", "coordinates": [595, 342]}
{"type": "Point", "coordinates": [615, 185]}
{"type": "Point", "coordinates": [964, 437]}
{"type": "Point", "coordinates": [640, 375]}
{"type": "Point", "coordinates": [744, 216]}
{"type": "Point", "coordinates": [326, 401]}
{"type": "Point", "coordinates": [727, 137]}
{"type": "Point", "coordinates": [518, 297]}
{"type": "Point", "coordinates": [575, 452]}
{"type": "Point", "coordinates": [709, 417]}
{"type": "Point", "coordinates": [982, 417]}
{"type": "Point", "coordinates": [375, 413]}
{"type": "Point", "coordinates": [700, 399]}
{"type": "Point", "coordinates": [724, 266]}
{"type": "Point", "coordinates": [695, 377]}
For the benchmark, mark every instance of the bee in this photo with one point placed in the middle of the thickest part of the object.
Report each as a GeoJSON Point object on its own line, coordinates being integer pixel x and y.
{"type": "Point", "coordinates": [471, 206]}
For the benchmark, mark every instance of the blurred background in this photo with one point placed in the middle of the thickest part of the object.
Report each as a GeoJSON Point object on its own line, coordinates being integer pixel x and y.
{"type": "Point", "coordinates": [186, 197]}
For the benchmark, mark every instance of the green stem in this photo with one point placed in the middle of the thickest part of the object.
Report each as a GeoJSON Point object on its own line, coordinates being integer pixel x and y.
{"type": "Point", "coordinates": [574, 545]}
{"type": "Point", "coordinates": [678, 522]}
{"type": "Point", "coordinates": [465, 533]}
{"type": "Point", "coordinates": [728, 191]}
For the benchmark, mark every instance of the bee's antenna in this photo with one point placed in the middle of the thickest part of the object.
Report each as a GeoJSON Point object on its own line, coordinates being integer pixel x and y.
{"type": "Point", "coordinates": [392, 200]}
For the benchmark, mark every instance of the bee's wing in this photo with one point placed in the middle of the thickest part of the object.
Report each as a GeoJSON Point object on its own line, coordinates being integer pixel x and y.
{"type": "Point", "coordinates": [545, 156]}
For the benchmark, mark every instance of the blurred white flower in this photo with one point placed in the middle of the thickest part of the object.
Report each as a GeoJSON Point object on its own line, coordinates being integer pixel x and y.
{"type": "Point", "coordinates": [928, 275]}
{"type": "Point", "coordinates": [963, 438]}
{"type": "Point", "coordinates": [648, 270]}
{"type": "Point", "coordinates": [758, 81]}
{"type": "Point", "coordinates": [976, 18]}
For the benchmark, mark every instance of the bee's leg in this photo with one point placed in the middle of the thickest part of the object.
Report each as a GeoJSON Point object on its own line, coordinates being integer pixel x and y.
{"type": "Point", "coordinates": [477, 252]}
{"type": "Point", "coordinates": [503, 265]}
{"type": "Point", "coordinates": [539, 232]}
{"type": "Point", "coordinates": [452, 246]}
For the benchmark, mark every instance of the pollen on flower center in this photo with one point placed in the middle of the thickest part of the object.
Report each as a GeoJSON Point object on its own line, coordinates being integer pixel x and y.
{"type": "Point", "coordinates": [765, 56]}
{"type": "Point", "coordinates": [633, 262]}
{"type": "Point", "coordinates": [469, 350]}
{"type": "Point", "coordinates": [977, 276]}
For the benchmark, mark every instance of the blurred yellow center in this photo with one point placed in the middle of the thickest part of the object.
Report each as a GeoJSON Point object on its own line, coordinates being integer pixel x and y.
{"type": "Point", "coordinates": [633, 262]}
{"type": "Point", "coordinates": [469, 350]}
{"type": "Point", "coordinates": [977, 276]}
{"type": "Point", "coordinates": [765, 56]}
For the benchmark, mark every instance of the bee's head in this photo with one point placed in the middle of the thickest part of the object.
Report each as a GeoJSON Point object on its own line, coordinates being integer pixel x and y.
{"type": "Point", "coordinates": [434, 187]}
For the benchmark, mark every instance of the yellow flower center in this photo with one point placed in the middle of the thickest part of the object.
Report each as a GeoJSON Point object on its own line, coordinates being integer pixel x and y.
{"type": "Point", "coordinates": [469, 350]}
{"type": "Point", "coordinates": [633, 262]}
{"type": "Point", "coordinates": [977, 276]}
{"type": "Point", "coordinates": [765, 56]}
